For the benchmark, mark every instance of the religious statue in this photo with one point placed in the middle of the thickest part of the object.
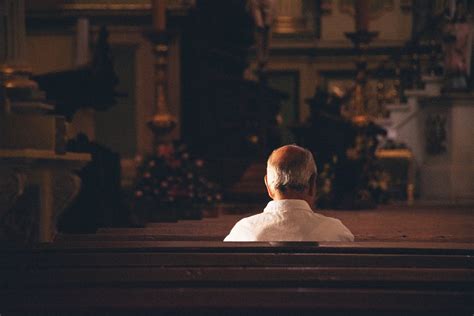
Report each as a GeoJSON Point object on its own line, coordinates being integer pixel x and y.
{"type": "Point", "coordinates": [457, 45]}
{"type": "Point", "coordinates": [263, 13]}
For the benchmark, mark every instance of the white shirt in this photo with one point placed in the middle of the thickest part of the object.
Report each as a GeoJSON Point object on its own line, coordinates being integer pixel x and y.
{"type": "Point", "coordinates": [289, 220]}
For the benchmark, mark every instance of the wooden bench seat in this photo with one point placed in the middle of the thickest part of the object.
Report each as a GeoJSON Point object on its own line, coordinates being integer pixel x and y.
{"type": "Point", "coordinates": [138, 236]}
{"type": "Point", "coordinates": [212, 229]}
{"type": "Point", "coordinates": [251, 278]}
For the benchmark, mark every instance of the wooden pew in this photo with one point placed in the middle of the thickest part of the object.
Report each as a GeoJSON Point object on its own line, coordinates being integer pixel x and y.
{"type": "Point", "coordinates": [138, 236]}
{"type": "Point", "coordinates": [233, 278]}
{"type": "Point", "coordinates": [209, 229]}
{"type": "Point", "coordinates": [195, 229]}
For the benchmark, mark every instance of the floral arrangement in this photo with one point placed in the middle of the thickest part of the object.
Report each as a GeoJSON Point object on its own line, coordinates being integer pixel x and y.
{"type": "Point", "coordinates": [172, 177]}
{"type": "Point", "coordinates": [325, 184]}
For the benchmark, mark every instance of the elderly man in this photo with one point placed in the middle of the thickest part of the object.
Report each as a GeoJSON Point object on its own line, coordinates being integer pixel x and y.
{"type": "Point", "coordinates": [291, 184]}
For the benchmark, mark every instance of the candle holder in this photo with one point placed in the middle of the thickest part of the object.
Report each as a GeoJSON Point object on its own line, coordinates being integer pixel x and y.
{"type": "Point", "coordinates": [358, 107]}
{"type": "Point", "coordinates": [162, 122]}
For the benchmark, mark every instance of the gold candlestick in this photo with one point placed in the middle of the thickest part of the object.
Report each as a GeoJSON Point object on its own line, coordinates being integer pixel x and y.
{"type": "Point", "coordinates": [163, 121]}
{"type": "Point", "coordinates": [361, 38]}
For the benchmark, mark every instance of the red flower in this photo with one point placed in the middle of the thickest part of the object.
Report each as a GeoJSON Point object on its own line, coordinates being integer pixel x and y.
{"type": "Point", "coordinates": [165, 150]}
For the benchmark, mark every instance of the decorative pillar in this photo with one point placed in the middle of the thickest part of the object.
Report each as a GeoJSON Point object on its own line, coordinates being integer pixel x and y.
{"type": "Point", "coordinates": [162, 122]}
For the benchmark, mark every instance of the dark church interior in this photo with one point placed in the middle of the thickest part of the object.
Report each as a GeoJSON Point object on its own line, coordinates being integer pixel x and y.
{"type": "Point", "coordinates": [134, 135]}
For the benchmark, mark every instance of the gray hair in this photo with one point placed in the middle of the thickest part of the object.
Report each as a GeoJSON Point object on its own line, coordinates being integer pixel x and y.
{"type": "Point", "coordinates": [292, 170]}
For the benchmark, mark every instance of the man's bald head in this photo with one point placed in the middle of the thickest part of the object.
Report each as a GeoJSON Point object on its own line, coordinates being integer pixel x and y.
{"type": "Point", "coordinates": [290, 167]}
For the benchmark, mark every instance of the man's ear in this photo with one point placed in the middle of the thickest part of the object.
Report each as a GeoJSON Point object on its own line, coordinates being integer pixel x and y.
{"type": "Point", "coordinates": [269, 189]}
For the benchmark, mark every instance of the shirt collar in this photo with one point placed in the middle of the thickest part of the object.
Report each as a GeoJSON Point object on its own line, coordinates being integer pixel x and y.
{"type": "Point", "coordinates": [287, 205]}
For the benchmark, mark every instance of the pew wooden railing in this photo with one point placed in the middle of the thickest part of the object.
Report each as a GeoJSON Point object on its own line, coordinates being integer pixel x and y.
{"type": "Point", "coordinates": [130, 277]}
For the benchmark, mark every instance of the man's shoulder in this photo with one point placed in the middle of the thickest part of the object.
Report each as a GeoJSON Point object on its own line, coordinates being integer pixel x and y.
{"type": "Point", "coordinates": [333, 222]}
{"type": "Point", "coordinates": [323, 219]}
{"type": "Point", "coordinates": [334, 227]}
{"type": "Point", "coordinates": [252, 219]}
{"type": "Point", "coordinates": [244, 229]}
{"type": "Point", "coordinates": [330, 220]}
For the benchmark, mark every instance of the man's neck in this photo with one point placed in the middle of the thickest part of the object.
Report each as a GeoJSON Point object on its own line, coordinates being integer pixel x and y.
{"type": "Point", "coordinates": [292, 195]}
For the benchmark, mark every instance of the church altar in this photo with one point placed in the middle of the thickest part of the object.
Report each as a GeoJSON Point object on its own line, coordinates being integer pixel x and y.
{"type": "Point", "coordinates": [44, 176]}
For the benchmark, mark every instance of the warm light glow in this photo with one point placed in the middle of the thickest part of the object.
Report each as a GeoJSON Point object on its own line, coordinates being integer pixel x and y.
{"type": "Point", "coordinates": [360, 119]}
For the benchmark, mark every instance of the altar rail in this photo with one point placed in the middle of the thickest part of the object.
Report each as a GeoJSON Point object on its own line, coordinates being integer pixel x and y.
{"type": "Point", "coordinates": [230, 278]}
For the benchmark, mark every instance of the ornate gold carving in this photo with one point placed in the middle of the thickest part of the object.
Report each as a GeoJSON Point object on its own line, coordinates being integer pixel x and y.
{"type": "Point", "coordinates": [394, 153]}
{"type": "Point", "coordinates": [17, 77]}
